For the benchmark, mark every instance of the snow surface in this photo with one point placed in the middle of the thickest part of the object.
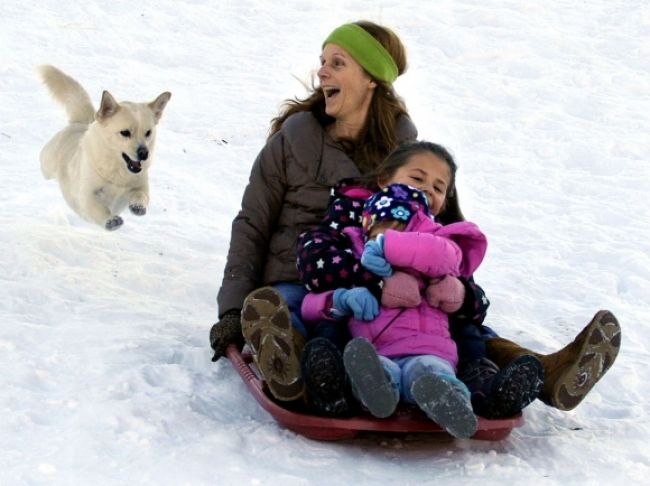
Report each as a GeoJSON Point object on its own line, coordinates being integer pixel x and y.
{"type": "Point", "coordinates": [105, 371]}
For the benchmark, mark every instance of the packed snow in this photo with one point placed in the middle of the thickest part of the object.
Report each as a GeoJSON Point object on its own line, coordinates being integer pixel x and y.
{"type": "Point", "coordinates": [105, 364]}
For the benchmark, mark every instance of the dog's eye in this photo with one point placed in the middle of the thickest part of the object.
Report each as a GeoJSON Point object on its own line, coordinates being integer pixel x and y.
{"type": "Point", "coordinates": [147, 133]}
{"type": "Point", "coordinates": [125, 133]}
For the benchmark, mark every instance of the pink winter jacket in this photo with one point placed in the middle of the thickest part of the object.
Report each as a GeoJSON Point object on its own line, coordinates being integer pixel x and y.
{"type": "Point", "coordinates": [427, 250]}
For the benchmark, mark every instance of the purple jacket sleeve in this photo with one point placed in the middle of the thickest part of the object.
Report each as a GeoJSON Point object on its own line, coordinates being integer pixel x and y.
{"type": "Point", "coordinates": [455, 249]}
{"type": "Point", "coordinates": [315, 307]}
{"type": "Point", "coordinates": [471, 241]}
{"type": "Point", "coordinates": [431, 255]}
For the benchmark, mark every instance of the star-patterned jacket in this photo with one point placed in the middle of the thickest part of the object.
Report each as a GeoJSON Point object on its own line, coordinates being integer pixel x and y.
{"type": "Point", "coordinates": [326, 260]}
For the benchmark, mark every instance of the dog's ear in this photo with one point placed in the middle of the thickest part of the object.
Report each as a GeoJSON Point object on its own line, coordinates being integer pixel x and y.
{"type": "Point", "coordinates": [107, 108]}
{"type": "Point", "coordinates": [158, 105]}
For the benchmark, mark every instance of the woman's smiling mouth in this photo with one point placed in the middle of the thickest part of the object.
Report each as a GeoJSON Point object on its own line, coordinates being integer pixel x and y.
{"type": "Point", "coordinates": [330, 92]}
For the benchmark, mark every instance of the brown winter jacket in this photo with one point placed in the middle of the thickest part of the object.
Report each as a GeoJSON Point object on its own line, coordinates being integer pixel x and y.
{"type": "Point", "coordinates": [287, 192]}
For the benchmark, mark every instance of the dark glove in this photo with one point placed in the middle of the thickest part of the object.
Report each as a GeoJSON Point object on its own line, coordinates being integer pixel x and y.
{"type": "Point", "coordinates": [226, 332]}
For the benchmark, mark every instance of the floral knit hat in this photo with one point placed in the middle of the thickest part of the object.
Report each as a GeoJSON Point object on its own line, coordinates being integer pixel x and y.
{"type": "Point", "coordinates": [395, 202]}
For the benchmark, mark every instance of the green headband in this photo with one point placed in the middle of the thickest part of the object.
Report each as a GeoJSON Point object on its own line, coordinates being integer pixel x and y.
{"type": "Point", "coordinates": [366, 50]}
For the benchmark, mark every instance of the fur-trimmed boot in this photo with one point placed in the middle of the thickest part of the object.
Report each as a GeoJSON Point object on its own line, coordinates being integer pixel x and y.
{"type": "Point", "coordinates": [570, 373]}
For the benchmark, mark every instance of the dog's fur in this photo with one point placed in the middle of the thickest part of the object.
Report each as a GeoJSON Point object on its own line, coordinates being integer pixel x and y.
{"type": "Point", "coordinates": [101, 159]}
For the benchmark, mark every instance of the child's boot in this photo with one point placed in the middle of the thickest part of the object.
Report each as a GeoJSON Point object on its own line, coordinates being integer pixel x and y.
{"type": "Point", "coordinates": [325, 380]}
{"type": "Point", "coordinates": [368, 378]}
{"type": "Point", "coordinates": [446, 401]}
{"type": "Point", "coordinates": [500, 393]}
{"type": "Point", "coordinates": [570, 373]}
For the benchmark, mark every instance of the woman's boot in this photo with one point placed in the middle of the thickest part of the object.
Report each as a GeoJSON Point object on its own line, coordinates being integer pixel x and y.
{"type": "Point", "coordinates": [275, 344]}
{"type": "Point", "coordinates": [570, 373]}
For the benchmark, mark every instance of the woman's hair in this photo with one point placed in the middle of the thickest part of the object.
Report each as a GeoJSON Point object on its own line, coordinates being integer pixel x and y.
{"type": "Point", "coordinates": [399, 157]}
{"type": "Point", "coordinates": [378, 137]}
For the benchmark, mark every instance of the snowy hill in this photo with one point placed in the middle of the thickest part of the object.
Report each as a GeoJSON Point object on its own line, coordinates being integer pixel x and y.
{"type": "Point", "coordinates": [106, 374]}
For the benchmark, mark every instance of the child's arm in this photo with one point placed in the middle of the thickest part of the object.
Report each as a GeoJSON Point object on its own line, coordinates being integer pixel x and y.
{"type": "Point", "coordinates": [431, 255]}
{"type": "Point", "coordinates": [317, 307]}
{"type": "Point", "coordinates": [326, 258]}
{"type": "Point", "coordinates": [475, 305]}
{"type": "Point", "coordinates": [322, 260]}
{"type": "Point", "coordinates": [334, 305]}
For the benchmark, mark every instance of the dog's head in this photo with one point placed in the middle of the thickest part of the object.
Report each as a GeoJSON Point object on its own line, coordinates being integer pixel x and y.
{"type": "Point", "coordinates": [130, 128]}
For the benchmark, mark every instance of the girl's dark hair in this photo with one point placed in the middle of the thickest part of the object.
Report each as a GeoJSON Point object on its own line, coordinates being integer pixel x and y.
{"type": "Point", "coordinates": [378, 137]}
{"type": "Point", "coordinates": [451, 212]}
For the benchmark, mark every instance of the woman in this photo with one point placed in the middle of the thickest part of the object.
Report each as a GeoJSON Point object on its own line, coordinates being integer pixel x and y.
{"type": "Point", "coordinates": [343, 130]}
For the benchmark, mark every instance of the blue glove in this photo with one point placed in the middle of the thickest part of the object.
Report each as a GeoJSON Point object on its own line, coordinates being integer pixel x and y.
{"type": "Point", "coordinates": [358, 302]}
{"type": "Point", "coordinates": [373, 257]}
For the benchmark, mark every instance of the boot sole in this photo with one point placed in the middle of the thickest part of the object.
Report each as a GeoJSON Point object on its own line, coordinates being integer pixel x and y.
{"type": "Point", "coordinates": [369, 379]}
{"type": "Point", "coordinates": [515, 387]}
{"type": "Point", "coordinates": [445, 405]}
{"type": "Point", "coordinates": [276, 346]}
{"type": "Point", "coordinates": [597, 352]}
{"type": "Point", "coordinates": [324, 375]}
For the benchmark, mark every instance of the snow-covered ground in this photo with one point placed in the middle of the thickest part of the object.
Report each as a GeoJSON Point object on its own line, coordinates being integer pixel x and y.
{"type": "Point", "coordinates": [105, 372]}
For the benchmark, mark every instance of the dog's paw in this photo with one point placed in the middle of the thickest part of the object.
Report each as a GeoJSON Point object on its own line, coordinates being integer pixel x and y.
{"type": "Point", "coordinates": [114, 223]}
{"type": "Point", "coordinates": [138, 209]}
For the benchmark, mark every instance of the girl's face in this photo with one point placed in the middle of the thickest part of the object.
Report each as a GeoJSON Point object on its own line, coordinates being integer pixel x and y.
{"type": "Point", "coordinates": [428, 173]}
{"type": "Point", "coordinates": [348, 89]}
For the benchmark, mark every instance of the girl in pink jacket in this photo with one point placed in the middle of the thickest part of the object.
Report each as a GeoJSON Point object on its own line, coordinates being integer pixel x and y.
{"type": "Point", "coordinates": [403, 348]}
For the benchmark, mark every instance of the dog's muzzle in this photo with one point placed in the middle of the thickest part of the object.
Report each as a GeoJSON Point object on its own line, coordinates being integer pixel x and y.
{"type": "Point", "coordinates": [134, 166]}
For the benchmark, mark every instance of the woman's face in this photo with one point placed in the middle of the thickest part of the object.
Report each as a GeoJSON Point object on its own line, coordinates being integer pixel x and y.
{"type": "Point", "coordinates": [348, 89]}
{"type": "Point", "coordinates": [425, 172]}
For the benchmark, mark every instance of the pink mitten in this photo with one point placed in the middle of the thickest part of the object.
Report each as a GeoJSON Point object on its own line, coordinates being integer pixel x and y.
{"type": "Point", "coordinates": [447, 294]}
{"type": "Point", "coordinates": [400, 290]}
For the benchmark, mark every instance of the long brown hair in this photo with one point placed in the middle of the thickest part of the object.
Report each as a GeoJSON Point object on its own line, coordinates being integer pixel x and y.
{"type": "Point", "coordinates": [450, 212]}
{"type": "Point", "coordinates": [378, 137]}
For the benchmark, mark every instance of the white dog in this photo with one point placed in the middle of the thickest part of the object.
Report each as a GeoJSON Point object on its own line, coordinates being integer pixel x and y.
{"type": "Point", "coordinates": [101, 159]}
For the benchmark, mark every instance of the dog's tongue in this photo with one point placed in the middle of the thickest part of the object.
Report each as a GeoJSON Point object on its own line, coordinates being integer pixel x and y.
{"type": "Point", "coordinates": [135, 166]}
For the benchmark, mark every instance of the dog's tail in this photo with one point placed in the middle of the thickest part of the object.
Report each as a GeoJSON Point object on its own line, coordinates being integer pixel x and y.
{"type": "Point", "coordinates": [69, 93]}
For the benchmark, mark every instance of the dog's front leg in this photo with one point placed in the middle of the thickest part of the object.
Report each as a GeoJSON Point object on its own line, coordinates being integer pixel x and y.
{"type": "Point", "coordinates": [138, 202]}
{"type": "Point", "coordinates": [98, 213]}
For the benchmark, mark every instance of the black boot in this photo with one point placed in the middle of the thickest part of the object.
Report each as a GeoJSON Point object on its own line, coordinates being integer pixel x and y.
{"type": "Point", "coordinates": [325, 379]}
{"type": "Point", "coordinates": [502, 393]}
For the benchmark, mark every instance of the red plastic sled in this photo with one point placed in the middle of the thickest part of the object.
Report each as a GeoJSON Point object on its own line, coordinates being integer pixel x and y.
{"type": "Point", "coordinates": [406, 419]}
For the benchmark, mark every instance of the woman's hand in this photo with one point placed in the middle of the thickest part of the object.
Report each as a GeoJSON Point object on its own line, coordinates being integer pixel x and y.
{"type": "Point", "coordinates": [226, 332]}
